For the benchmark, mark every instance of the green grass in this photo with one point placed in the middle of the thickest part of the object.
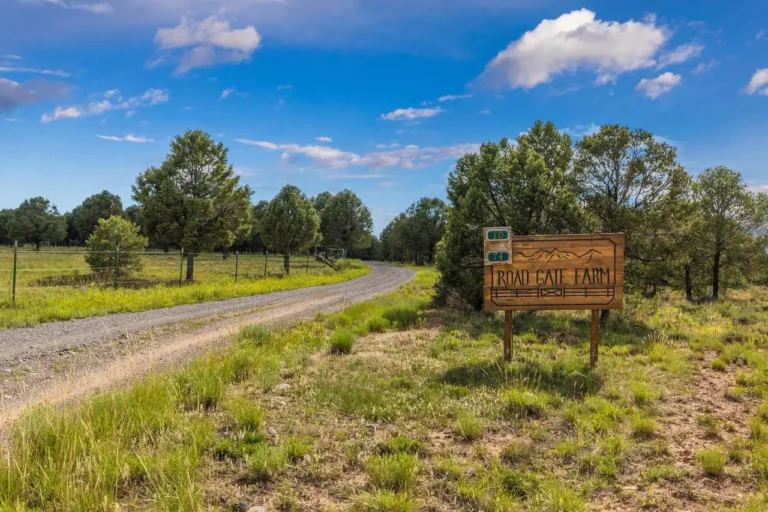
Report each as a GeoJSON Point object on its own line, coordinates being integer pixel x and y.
{"type": "Point", "coordinates": [396, 472]}
{"type": "Point", "coordinates": [342, 342]}
{"type": "Point", "coordinates": [712, 460]}
{"type": "Point", "coordinates": [39, 303]}
{"type": "Point", "coordinates": [468, 427]}
{"type": "Point", "coordinates": [385, 501]}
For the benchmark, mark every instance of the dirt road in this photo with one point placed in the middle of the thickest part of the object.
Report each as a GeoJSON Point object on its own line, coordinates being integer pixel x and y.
{"type": "Point", "coordinates": [61, 361]}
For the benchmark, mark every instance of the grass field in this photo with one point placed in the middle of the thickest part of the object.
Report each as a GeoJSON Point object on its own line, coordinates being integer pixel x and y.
{"type": "Point", "coordinates": [59, 285]}
{"type": "Point", "coordinates": [393, 406]}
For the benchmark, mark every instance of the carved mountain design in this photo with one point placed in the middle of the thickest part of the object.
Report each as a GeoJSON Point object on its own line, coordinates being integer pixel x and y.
{"type": "Point", "coordinates": [558, 254]}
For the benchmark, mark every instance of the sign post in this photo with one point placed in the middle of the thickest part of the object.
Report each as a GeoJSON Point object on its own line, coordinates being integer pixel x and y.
{"type": "Point", "coordinates": [553, 272]}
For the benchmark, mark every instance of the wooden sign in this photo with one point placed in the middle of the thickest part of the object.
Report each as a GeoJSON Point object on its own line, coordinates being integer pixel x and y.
{"type": "Point", "coordinates": [553, 272]}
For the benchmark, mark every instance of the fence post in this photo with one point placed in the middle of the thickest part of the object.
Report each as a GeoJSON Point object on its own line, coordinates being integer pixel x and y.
{"type": "Point", "coordinates": [237, 264]}
{"type": "Point", "coordinates": [266, 262]}
{"type": "Point", "coordinates": [117, 266]}
{"type": "Point", "coordinates": [15, 259]}
{"type": "Point", "coordinates": [181, 266]}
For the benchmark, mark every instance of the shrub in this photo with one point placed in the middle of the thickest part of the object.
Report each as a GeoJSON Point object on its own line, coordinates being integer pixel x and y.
{"type": "Point", "coordinates": [385, 501]}
{"type": "Point", "coordinates": [378, 324]}
{"type": "Point", "coordinates": [110, 234]}
{"type": "Point", "coordinates": [468, 427]}
{"type": "Point", "coordinates": [401, 317]}
{"type": "Point", "coordinates": [712, 460]}
{"type": "Point", "coordinates": [342, 342]}
{"type": "Point", "coordinates": [523, 404]}
{"type": "Point", "coordinates": [400, 444]}
{"type": "Point", "coordinates": [397, 472]}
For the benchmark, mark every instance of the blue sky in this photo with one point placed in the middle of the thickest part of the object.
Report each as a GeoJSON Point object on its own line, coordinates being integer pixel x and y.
{"type": "Point", "coordinates": [379, 96]}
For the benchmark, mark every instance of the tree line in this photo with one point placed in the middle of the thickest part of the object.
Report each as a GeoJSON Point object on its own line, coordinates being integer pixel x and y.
{"type": "Point", "coordinates": [194, 202]}
{"type": "Point", "coordinates": [699, 234]}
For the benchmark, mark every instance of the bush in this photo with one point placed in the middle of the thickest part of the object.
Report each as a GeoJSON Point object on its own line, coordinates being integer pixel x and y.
{"type": "Point", "coordinates": [402, 317]}
{"type": "Point", "coordinates": [378, 324]}
{"type": "Point", "coordinates": [712, 460]}
{"type": "Point", "coordinates": [110, 234]}
{"type": "Point", "coordinates": [396, 472]}
{"type": "Point", "coordinates": [342, 342]}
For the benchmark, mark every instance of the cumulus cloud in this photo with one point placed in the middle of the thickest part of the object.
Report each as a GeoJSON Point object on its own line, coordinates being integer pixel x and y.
{"type": "Point", "coordinates": [662, 84]}
{"type": "Point", "coordinates": [680, 54]}
{"type": "Point", "coordinates": [411, 113]}
{"type": "Point", "coordinates": [581, 130]}
{"type": "Point", "coordinates": [14, 94]}
{"type": "Point", "coordinates": [576, 40]}
{"type": "Point", "coordinates": [111, 100]}
{"type": "Point", "coordinates": [408, 157]}
{"type": "Point", "coordinates": [97, 8]}
{"type": "Point", "coordinates": [454, 97]}
{"type": "Point", "coordinates": [136, 139]}
{"type": "Point", "coordinates": [226, 92]}
{"type": "Point", "coordinates": [759, 83]}
{"type": "Point", "coordinates": [323, 139]}
{"type": "Point", "coordinates": [208, 42]}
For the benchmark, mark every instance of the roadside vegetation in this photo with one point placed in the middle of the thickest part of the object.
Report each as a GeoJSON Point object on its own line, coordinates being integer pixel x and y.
{"type": "Point", "coordinates": [392, 405]}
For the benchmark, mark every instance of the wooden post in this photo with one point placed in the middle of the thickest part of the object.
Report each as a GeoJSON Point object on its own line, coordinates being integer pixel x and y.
{"type": "Point", "coordinates": [508, 335]}
{"type": "Point", "coordinates": [595, 338]}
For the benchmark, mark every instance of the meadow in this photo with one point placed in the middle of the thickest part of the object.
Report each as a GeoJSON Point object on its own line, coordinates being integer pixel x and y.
{"type": "Point", "coordinates": [58, 284]}
{"type": "Point", "coordinates": [394, 405]}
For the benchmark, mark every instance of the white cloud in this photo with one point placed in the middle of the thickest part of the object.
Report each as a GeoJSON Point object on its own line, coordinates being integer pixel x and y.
{"type": "Point", "coordinates": [680, 54]}
{"type": "Point", "coordinates": [208, 42]}
{"type": "Point", "coordinates": [136, 139]}
{"type": "Point", "coordinates": [372, 176]}
{"type": "Point", "coordinates": [10, 56]}
{"type": "Point", "coordinates": [98, 8]}
{"type": "Point", "coordinates": [243, 172]}
{"type": "Point", "coordinates": [576, 40]}
{"type": "Point", "coordinates": [130, 113]}
{"type": "Point", "coordinates": [112, 100]}
{"type": "Point", "coordinates": [759, 83]}
{"type": "Point", "coordinates": [581, 130]}
{"type": "Point", "coordinates": [703, 67]}
{"type": "Point", "coordinates": [759, 189]}
{"type": "Point", "coordinates": [37, 71]}
{"type": "Point", "coordinates": [485, 112]}
{"type": "Point", "coordinates": [411, 113]}
{"type": "Point", "coordinates": [14, 94]}
{"type": "Point", "coordinates": [408, 157]}
{"type": "Point", "coordinates": [226, 92]}
{"type": "Point", "coordinates": [662, 84]}
{"type": "Point", "coordinates": [454, 97]}
{"type": "Point", "coordinates": [323, 139]}
{"type": "Point", "coordinates": [284, 87]}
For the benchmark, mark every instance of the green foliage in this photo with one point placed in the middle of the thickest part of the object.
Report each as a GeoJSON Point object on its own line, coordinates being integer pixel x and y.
{"type": "Point", "coordinates": [397, 472]}
{"type": "Point", "coordinates": [345, 222]}
{"type": "Point", "coordinates": [296, 448]}
{"type": "Point", "coordinates": [401, 317]}
{"type": "Point", "coordinates": [266, 462]}
{"type": "Point", "coordinates": [342, 342]}
{"type": "Point", "coordinates": [661, 473]}
{"type": "Point", "coordinates": [468, 427]}
{"type": "Point", "coordinates": [35, 221]}
{"type": "Point", "coordinates": [290, 224]}
{"type": "Point", "coordinates": [201, 385]}
{"type": "Point", "coordinates": [400, 444]}
{"type": "Point", "coordinates": [194, 199]}
{"type": "Point", "coordinates": [529, 186]}
{"type": "Point", "coordinates": [378, 324]}
{"type": "Point", "coordinates": [6, 217]}
{"type": "Point", "coordinates": [109, 235]}
{"type": "Point", "coordinates": [385, 501]}
{"type": "Point", "coordinates": [525, 404]}
{"type": "Point", "coordinates": [643, 427]}
{"type": "Point", "coordinates": [99, 206]}
{"type": "Point", "coordinates": [413, 235]}
{"type": "Point", "coordinates": [712, 460]}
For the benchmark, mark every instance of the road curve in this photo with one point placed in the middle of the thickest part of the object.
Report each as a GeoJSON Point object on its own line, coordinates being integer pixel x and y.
{"type": "Point", "coordinates": [60, 361]}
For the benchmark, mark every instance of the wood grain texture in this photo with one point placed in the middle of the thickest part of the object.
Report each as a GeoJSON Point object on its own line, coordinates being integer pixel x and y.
{"type": "Point", "coordinates": [557, 272]}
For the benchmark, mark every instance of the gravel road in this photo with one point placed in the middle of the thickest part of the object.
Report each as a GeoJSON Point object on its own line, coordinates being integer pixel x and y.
{"type": "Point", "coordinates": [59, 361]}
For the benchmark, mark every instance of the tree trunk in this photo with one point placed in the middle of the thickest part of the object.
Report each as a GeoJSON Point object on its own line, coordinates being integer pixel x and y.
{"type": "Point", "coordinates": [604, 315]}
{"type": "Point", "coordinates": [688, 283]}
{"type": "Point", "coordinates": [716, 276]}
{"type": "Point", "coordinates": [37, 246]}
{"type": "Point", "coordinates": [190, 266]}
{"type": "Point", "coordinates": [287, 264]}
{"type": "Point", "coordinates": [225, 253]}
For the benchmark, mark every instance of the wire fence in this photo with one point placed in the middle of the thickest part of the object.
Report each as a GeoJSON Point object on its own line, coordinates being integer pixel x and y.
{"type": "Point", "coordinates": [24, 271]}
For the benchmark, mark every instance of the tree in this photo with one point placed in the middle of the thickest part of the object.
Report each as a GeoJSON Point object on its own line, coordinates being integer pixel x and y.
{"type": "Point", "coordinates": [346, 222]}
{"type": "Point", "coordinates": [194, 199]}
{"type": "Point", "coordinates": [321, 200]}
{"type": "Point", "coordinates": [99, 206]}
{"type": "Point", "coordinates": [730, 215]}
{"type": "Point", "coordinates": [36, 220]}
{"type": "Point", "coordinates": [425, 227]}
{"type": "Point", "coordinates": [133, 214]}
{"type": "Point", "coordinates": [6, 217]}
{"type": "Point", "coordinates": [631, 183]}
{"type": "Point", "coordinates": [256, 241]}
{"type": "Point", "coordinates": [290, 224]}
{"type": "Point", "coordinates": [110, 235]}
{"type": "Point", "coordinates": [394, 239]}
{"type": "Point", "coordinates": [529, 187]}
